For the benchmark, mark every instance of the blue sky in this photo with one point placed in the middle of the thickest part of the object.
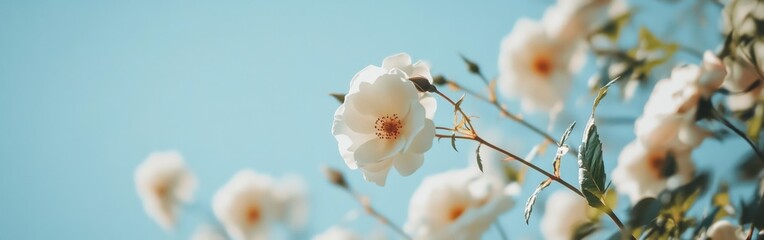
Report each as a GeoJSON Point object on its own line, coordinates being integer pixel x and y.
{"type": "Point", "coordinates": [89, 88]}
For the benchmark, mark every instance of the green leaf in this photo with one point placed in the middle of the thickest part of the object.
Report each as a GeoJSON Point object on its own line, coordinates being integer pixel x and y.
{"type": "Point", "coordinates": [705, 223]}
{"type": "Point", "coordinates": [532, 200]}
{"type": "Point", "coordinates": [591, 171]}
{"type": "Point", "coordinates": [479, 161]}
{"type": "Point", "coordinates": [722, 196]}
{"type": "Point", "coordinates": [453, 142]}
{"type": "Point", "coordinates": [567, 132]}
{"type": "Point", "coordinates": [584, 230]}
{"type": "Point", "coordinates": [644, 212]}
{"type": "Point", "coordinates": [340, 97]}
{"type": "Point", "coordinates": [562, 150]}
{"type": "Point", "coordinates": [748, 169]}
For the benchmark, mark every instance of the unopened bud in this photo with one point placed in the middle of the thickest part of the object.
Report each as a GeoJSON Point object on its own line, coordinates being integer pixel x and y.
{"type": "Point", "coordinates": [422, 84]}
{"type": "Point", "coordinates": [439, 80]}
{"type": "Point", "coordinates": [471, 66]}
{"type": "Point", "coordinates": [335, 177]}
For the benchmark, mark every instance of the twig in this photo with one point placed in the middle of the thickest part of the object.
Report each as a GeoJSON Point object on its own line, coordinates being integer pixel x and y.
{"type": "Point", "coordinates": [504, 112]}
{"type": "Point", "coordinates": [338, 179]}
{"type": "Point", "coordinates": [737, 131]}
{"type": "Point", "coordinates": [474, 137]}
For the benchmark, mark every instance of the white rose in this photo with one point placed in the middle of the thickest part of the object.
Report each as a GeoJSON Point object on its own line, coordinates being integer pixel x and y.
{"type": "Point", "coordinates": [163, 183]}
{"type": "Point", "coordinates": [740, 14]}
{"type": "Point", "coordinates": [385, 121]}
{"type": "Point", "coordinates": [640, 172]}
{"type": "Point", "coordinates": [246, 206]}
{"type": "Point", "coordinates": [742, 75]}
{"type": "Point", "coordinates": [564, 212]}
{"type": "Point", "coordinates": [668, 119]}
{"type": "Point", "coordinates": [724, 230]}
{"type": "Point", "coordinates": [575, 19]}
{"type": "Point", "coordinates": [291, 198]}
{"type": "Point", "coordinates": [537, 67]}
{"type": "Point", "coordinates": [206, 232]}
{"type": "Point", "coordinates": [337, 233]}
{"type": "Point", "coordinates": [456, 205]}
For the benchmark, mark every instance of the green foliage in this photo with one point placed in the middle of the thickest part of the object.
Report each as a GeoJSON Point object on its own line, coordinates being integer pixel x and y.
{"type": "Point", "coordinates": [562, 149]}
{"type": "Point", "coordinates": [644, 212]}
{"type": "Point", "coordinates": [591, 167]}
{"type": "Point", "coordinates": [478, 160]}
{"type": "Point", "coordinates": [532, 200]}
{"type": "Point", "coordinates": [613, 28]}
{"type": "Point", "coordinates": [585, 230]}
{"type": "Point", "coordinates": [649, 43]}
{"type": "Point", "coordinates": [671, 221]}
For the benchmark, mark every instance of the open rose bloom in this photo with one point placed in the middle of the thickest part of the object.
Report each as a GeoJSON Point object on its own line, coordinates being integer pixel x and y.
{"type": "Point", "coordinates": [460, 204]}
{"type": "Point", "coordinates": [164, 183]}
{"type": "Point", "coordinates": [644, 172]}
{"type": "Point", "coordinates": [385, 122]}
{"type": "Point", "coordinates": [564, 212]}
{"type": "Point", "coordinates": [667, 132]}
{"type": "Point", "coordinates": [251, 203]}
{"type": "Point", "coordinates": [537, 67]}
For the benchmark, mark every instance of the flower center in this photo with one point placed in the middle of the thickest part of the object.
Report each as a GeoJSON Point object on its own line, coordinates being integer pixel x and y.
{"type": "Point", "coordinates": [455, 213]}
{"type": "Point", "coordinates": [253, 215]}
{"type": "Point", "coordinates": [542, 65]}
{"type": "Point", "coordinates": [388, 127]}
{"type": "Point", "coordinates": [161, 190]}
{"type": "Point", "coordinates": [662, 166]}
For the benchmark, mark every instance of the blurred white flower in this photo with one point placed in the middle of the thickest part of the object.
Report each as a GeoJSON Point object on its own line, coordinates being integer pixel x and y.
{"type": "Point", "coordinates": [712, 73]}
{"type": "Point", "coordinates": [385, 121]}
{"type": "Point", "coordinates": [163, 183]}
{"type": "Point", "coordinates": [537, 67]}
{"type": "Point", "coordinates": [741, 15]}
{"type": "Point", "coordinates": [206, 232]}
{"type": "Point", "coordinates": [337, 233]}
{"type": "Point", "coordinates": [575, 19]}
{"type": "Point", "coordinates": [564, 212]}
{"type": "Point", "coordinates": [742, 75]}
{"type": "Point", "coordinates": [724, 230]}
{"type": "Point", "coordinates": [246, 206]}
{"type": "Point", "coordinates": [291, 200]}
{"type": "Point", "coordinates": [457, 205]}
{"type": "Point", "coordinates": [668, 119]}
{"type": "Point", "coordinates": [643, 172]}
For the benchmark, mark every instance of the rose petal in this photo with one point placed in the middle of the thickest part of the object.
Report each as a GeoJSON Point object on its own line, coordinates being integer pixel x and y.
{"type": "Point", "coordinates": [423, 140]}
{"type": "Point", "coordinates": [376, 150]}
{"type": "Point", "coordinates": [399, 60]}
{"type": "Point", "coordinates": [377, 172]}
{"type": "Point", "coordinates": [389, 94]}
{"type": "Point", "coordinates": [408, 163]}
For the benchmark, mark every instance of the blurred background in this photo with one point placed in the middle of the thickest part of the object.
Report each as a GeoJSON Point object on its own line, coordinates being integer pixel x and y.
{"type": "Point", "coordinates": [88, 89]}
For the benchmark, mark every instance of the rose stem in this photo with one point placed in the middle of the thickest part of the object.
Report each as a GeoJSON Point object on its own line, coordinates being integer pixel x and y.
{"type": "Point", "coordinates": [474, 137]}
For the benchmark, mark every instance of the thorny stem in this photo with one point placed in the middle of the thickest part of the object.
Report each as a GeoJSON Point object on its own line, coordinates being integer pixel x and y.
{"type": "Point", "coordinates": [475, 137]}
{"type": "Point", "coordinates": [504, 112]}
{"type": "Point", "coordinates": [366, 204]}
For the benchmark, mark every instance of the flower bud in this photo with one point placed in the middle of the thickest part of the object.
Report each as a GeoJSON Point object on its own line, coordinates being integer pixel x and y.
{"type": "Point", "coordinates": [335, 177]}
{"type": "Point", "coordinates": [422, 84]}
